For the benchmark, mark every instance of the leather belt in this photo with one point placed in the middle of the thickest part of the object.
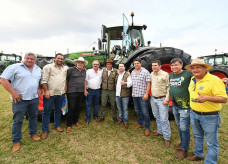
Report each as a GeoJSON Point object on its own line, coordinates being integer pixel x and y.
{"type": "Point", "coordinates": [206, 113]}
{"type": "Point", "coordinates": [159, 97]}
{"type": "Point", "coordinates": [93, 89]}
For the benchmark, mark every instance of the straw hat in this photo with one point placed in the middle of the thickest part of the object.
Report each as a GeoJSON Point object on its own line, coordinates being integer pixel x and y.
{"type": "Point", "coordinates": [198, 62]}
{"type": "Point", "coordinates": [81, 59]}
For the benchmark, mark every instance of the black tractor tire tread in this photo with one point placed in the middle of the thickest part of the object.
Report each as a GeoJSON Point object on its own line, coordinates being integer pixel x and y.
{"type": "Point", "coordinates": [220, 69]}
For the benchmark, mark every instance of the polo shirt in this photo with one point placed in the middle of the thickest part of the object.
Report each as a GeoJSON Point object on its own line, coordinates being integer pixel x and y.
{"type": "Point", "coordinates": [210, 85]}
{"type": "Point", "coordinates": [23, 80]}
{"type": "Point", "coordinates": [75, 80]}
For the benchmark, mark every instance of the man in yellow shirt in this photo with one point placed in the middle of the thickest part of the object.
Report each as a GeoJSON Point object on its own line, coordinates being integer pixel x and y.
{"type": "Point", "coordinates": [207, 92]}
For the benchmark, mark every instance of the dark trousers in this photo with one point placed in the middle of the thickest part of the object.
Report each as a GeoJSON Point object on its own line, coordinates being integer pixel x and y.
{"type": "Point", "coordinates": [74, 107]}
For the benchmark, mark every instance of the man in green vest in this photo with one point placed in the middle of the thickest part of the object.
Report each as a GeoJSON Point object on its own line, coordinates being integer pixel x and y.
{"type": "Point", "coordinates": [123, 93]}
{"type": "Point", "coordinates": [108, 89]}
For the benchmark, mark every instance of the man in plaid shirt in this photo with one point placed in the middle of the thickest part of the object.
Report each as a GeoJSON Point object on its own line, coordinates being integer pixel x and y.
{"type": "Point", "coordinates": [140, 91]}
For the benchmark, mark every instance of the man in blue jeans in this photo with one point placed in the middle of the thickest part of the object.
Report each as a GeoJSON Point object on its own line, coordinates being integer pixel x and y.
{"type": "Point", "coordinates": [207, 92]}
{"type": "Point", "coordinates": [179, 81]}
{"type": "Point", "coordinates": [140, 92]}
{"type": "Point", "coordinates": [21, 80]}
{"type": "Point", "coordinates": [123, 93]}
{"type": "Point", "coordinates": [54, 85]}
{"type": "Point", "coordinates": [160, 100]}
{"type": "Point", "coordinates": [93, 91]}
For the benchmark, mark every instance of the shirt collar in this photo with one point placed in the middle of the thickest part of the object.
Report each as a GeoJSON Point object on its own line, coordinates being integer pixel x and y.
{"type": "Point", "coordinates": [108, 70]}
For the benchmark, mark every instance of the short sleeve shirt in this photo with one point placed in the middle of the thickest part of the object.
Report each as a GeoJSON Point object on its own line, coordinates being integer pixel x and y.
{"type": "Point", "coordinates": [75, 80]}
{"type": "Point", "coordinates": [210, 85]}
{"type": "Point", "coordinates": [139, 82]}
{"type": "Point", "coordinates": [23, 80]}
{"type": "Point", "coordinates": [179, 88]}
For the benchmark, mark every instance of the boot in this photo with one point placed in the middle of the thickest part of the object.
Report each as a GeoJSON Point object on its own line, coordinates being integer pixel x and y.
{"type": "Point", "coordinates": [181, 154]}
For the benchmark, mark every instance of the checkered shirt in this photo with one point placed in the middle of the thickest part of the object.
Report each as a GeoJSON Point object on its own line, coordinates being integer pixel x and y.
{"type": "Point", "coordinates": [139, 82]}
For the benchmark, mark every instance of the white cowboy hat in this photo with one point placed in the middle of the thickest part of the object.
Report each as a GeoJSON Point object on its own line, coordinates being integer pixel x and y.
{"type": "Point", "coordinates": [198, 62]}
{"type": "Point", "coordinates": [81, 59]}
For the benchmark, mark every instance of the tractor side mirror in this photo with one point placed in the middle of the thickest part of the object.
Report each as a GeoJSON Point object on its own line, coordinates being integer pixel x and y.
{"type": "Point", "coordinates": [99, 44]}
{"type": "Point", "coordinates": [103, 33]}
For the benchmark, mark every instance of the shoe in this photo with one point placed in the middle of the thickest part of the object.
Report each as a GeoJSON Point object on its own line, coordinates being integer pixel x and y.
{"type": "Point", "coordinates": [87, 123]}
{"type": "Point", "coordinates": [101, 120]}
{"type": "Point", "coordinates": [119, 122]}
{"type": "Point", "coordinates": [156, 134]}
{"type": "Point", "coordinates": [177, 147]}
{"type": "Point", "coordinates": [138, 126]}
{"type": "Point", "coordinates": [167, 143]}
{"type": "Point", "coordinates": [44, 136]}
{"type": "Point", "coordinates": [126, 125]}
{"type": "Point", "coordinates": [68, 129]}
{"type": "Point", "coordinates": [147, 132]}
{"type": "Point", "coordinates": [195, 158]}
{"type": "Point", "coordinates": [96, 119]}
{"type": "Point", "coordinates": [181, 154]}
{"type": "Point", "coordinates": [59, 129]}
{"type": "Point", "coordinates": [115, 120]}
{"type": "Point", "coordinates": [78, 125]}
{"type": "Point", "coordinates": [16, 147]}
{"type": "Point", "coordinates": [35, 137]}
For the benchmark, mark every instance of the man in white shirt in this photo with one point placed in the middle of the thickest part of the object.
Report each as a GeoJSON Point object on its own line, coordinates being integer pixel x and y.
{"type": "Point", "coordinates": [123, 93]}
{"type": "Point", "coordinates": [93, 92]}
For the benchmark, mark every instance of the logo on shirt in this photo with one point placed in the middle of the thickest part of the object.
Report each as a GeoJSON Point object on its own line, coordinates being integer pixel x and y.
{"type": "Point", "coordinates": [176, 81]}
{"type": "Point", "coordinates": [201, 88]}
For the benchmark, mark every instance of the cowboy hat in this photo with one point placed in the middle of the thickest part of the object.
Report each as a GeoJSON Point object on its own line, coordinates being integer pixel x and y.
{"type": "Point", "coordinates": [198, 62]}
{"type": "Point", "coordinates": [109, 61]}
{"type": "Point", "coordinates": [81, 59]}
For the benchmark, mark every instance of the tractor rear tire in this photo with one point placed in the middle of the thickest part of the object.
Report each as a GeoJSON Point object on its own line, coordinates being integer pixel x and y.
{"type": "Point", "coordinates": [165, 55]}
{"type": "Point", "coordinates": [220, 71]}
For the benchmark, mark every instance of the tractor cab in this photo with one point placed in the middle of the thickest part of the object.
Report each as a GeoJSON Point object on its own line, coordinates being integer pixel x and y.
{"type": "Point", "coordinates": [119, 41]}
{"type": "Point", "coordinates": [8, 59]}
{"type": "Point", "coordinates": [216, 60]}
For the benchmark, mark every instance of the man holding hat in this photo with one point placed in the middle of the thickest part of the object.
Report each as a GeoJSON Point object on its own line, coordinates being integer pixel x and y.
{"type": "Point", "coordinates": [108, 89]}
{"type": "Point", "coordinates": [75, 91]}
{"type": "Point", "coordinates": [207, 92]}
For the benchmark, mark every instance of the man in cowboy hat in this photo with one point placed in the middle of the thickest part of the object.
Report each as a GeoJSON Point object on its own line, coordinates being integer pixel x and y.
{"type": "Point", "coordinates": [207, 92]}
{"type": "Point", "coordinates": [75, 91]}
{"type": "Point", "coordinates": [108, 89]}
{"type": "Point", "coordinates": [54, 85]}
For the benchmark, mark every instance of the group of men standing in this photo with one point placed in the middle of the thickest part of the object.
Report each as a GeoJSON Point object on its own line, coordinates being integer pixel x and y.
{"type": "Point", "coordinates": [196, 98]}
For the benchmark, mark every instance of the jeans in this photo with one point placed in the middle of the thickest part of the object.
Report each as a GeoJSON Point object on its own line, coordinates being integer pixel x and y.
{"type": "Point", "coordinates": [161, 113]}
{"type": "Point", "coordinates": [48, 103]}
{"type": "Point", "coordinates": [206, 125]}
{"type": "Point", "coordinates": [19, 110]}
{"type": "Point", "coordinates": [122, 105]}
{"type": "Point", "coordinates": [141, 109]}
{"type": "Point", "coordinates": [92, 97]}
{"type": "Point", "coordinates": [74, 107]}
{"type": "Point", "coordinates": [182, 118]}
{"type": "Point", "coordinates": [104, 100]}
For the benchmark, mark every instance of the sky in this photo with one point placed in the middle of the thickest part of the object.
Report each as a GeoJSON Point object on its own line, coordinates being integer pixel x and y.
{"type": "Point", "coordinates": [47, 27]}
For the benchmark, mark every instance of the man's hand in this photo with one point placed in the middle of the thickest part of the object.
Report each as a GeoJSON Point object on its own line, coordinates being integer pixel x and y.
{"type": "Point", "coordinates": [145, 97]}
{"type": "Point", "coordinates": [16, 97]}
{"type": "Point", "coordinates": [39, 91]}
{"type": "Point", "coordinates": [123, 82]}
{"type": "Point", "coordinates": [165, 102]}
{"type": "Point", "coordinates": [47, 95]}
{"type": "Point", "coordinates": [201, 98]}
{"type": "Point", "coordinates": [86, 93]}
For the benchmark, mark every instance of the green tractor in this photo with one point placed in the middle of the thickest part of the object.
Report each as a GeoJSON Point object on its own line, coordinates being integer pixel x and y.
{"type": "Point", "coordinates": [8, 59]}
{"type": "Point", "coordinates": [124, 43]}
{"type": "Point", "coordinates": [219, 63]}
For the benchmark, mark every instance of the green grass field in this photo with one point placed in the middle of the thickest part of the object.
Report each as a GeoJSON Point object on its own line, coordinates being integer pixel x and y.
{"type": "Point", "coordinates": [98, 143]}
